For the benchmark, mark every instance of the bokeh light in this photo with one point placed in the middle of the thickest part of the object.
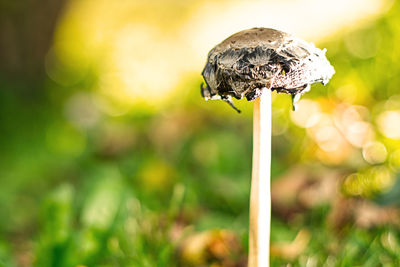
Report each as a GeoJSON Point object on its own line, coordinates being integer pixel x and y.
{"type": "Point", "coordinates": [388, 123]}
{"type": "Point", "coordinates": [374, 152]}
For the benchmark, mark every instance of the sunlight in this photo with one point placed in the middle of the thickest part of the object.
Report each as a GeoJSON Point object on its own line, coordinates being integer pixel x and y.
{"type": "Point", "coordinates": [142, 55]}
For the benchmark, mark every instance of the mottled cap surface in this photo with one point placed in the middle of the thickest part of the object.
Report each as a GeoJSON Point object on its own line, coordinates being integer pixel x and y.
{"type": "Point", "coordinates": [252, 38]}
{"type": "Point", "coordinates": [250, 61]}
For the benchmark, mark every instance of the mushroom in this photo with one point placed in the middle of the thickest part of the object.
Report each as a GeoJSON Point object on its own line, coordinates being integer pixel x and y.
{"type": "Point", "coordinates": [251, 64]}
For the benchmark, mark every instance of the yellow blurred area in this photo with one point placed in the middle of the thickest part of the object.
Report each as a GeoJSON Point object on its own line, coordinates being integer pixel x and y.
{"type": "Point", "coordinates": [374, 152]}
{"type": "Point", "coordinates": [157, 176]}
{"type": "Point", "coordinates": [143, 49]}
{"type": "Point", "coordinates": [389, 125]}
{"type": "Point", "coordinates": [369, 181]}
{"type": "Point", "coordinates": [338, 130]}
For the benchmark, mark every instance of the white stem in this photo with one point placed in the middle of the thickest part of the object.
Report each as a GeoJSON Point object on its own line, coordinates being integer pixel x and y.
{"type": "Point", "coordinates": [260, 198]}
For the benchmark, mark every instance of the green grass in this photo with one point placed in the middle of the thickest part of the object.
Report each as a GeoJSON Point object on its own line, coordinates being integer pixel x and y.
{"type": "Point", "coordinates": [172, 188]}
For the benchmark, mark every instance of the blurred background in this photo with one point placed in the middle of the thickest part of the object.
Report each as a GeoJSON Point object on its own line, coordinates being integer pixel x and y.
{"type": "Point", "coordinates": [110, 157]}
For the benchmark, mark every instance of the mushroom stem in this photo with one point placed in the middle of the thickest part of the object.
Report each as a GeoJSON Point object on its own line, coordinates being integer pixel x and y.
{"type": "Point", "coordinates": [260, 198]}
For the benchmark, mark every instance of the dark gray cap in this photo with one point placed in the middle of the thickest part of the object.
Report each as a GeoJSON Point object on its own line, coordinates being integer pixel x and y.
{"type": "Point", "coordinates": [257, 59]}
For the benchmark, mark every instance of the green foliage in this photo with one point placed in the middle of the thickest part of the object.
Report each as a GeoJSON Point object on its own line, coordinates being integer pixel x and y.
{"type": "Point", "coordinates": [80, 187]}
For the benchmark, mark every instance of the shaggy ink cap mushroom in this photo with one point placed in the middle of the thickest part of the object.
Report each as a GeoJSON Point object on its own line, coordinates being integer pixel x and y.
{"type": "Point", "coordinates": [257, 59]}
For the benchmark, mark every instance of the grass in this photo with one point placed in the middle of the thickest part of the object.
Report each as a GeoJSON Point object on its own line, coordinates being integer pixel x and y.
{"type": "Point", "coordinates": [172, 188]}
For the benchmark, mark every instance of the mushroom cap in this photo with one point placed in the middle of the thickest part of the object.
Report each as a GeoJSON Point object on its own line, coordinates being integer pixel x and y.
{"type": "Point", "coordinates": [246, 63]}
{"type": "Point", "coordinates": [252, 38]}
